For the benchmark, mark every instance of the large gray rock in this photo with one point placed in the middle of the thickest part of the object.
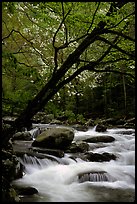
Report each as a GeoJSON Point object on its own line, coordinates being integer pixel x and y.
{"type": "Point", "coordinates": [56, 138]}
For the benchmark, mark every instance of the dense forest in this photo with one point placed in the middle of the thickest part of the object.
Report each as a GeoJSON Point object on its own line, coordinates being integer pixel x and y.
{"type": "Point", "coordinates": [74, 59]}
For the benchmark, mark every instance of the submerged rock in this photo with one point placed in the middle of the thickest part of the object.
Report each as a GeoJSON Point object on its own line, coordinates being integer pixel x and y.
{"type": "Point", "coordinates": [96, 157]}
{"type": "Point", "coordinates": [103, 138]}
{"type": "Point", "coordinates": [56, 138]}
{"type": "Point", "coordinates": [26, 190]}
{"type": "Point", "coordinates": [98, 176]}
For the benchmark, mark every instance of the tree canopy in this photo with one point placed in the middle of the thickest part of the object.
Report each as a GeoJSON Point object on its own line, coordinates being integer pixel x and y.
{"type": "Point", "coordinates": [48, 47]}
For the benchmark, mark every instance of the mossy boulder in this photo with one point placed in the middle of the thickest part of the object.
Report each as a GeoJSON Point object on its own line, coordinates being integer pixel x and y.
{"type": "Point", "coordinates": [22, 136]}
{"type": "Point", "coordinates": [56, 138]}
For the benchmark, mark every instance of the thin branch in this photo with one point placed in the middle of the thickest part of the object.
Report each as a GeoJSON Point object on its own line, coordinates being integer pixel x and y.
{"type": "Point", "coordinates": [114, 71]}
{"type": "Point", "coordinates": [122, 20]}
{"type": "Point", "coordinates": [107, 51]}
{"type": "Point", "coordinates": [116, 60]}
{"type": "Point", "coordinates": [93, 17]}
{"type": "Point", "coordinates": [54, 37]}
{"type": "Point", "coordinates": [119, 33]}
{"type": "Point", "coordinates": [8, 35]}
{"type": "Point", "coordinates": [116, 47]}
{"type": "Point", "coordinates": [109, 61]}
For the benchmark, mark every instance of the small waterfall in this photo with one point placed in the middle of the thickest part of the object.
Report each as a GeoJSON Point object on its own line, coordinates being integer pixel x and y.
{"type": "Point", "coordinates": [71, 179]}
{"type": "Point", "coordinates": [94, 177]}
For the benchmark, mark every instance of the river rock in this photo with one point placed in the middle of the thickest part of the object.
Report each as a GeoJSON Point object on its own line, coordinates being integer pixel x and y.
{"type": "Point", "coordinates": [80, 127]}
{"type": "Point", "coordinates": [78, 147]}
{"type": "Point", "coordinates": [26, 190]}
{"type": "Point", "coordinates": [96, 157]}
{"type": "Point", "coordinates": [103, 138]}
{"type": "Point", "coordinates": [22, 136]}
{"type": "Point", "coordinates": [56, 138]}
{"type": "Point", "coordinates": [100, 128]}
{"type": "Point", "coordinates": [96, 176]}
{"type": "Point", "coordinates": [55, 152]}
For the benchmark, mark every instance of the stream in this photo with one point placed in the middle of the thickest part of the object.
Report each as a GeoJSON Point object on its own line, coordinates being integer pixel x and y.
{"type": "Point", "coordinates": [59, 180]}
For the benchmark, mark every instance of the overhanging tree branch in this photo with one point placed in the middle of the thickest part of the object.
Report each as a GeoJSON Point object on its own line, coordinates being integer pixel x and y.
{"type": "Point", "coordinates": [119, 34]}
{"type": "Point", "coordinates": [132, 56]}
{"type": "Point", "coordinates": [114, 71]}
{"type": "Point", "coordinates": [93, 17]}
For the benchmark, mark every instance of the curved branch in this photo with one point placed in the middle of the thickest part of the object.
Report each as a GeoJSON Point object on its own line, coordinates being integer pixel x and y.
{"type": "Point", "coordinates": [54, 37]}
{"type": "Point", "coordinates": [116, 47]}
{"type": "Point", "coordinates": [93, 17]}
{"type": "Point", "coordinates": [122, 20]}
{"type": "Point", "coordinates": [119, 33]}
{"type": "Point", "coordinates": [8, 35]}
{"type": "Point", "coordinates": [113, 61]}
{"type": "Point", "coordinates": [114, 71]}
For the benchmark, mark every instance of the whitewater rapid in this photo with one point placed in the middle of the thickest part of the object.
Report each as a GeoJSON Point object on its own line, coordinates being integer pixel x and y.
{"type": "Point", "coordinates": [58, 181]}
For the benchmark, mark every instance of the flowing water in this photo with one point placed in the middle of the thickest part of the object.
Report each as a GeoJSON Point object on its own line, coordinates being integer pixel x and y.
{"type": "Point", "coordinates": [68, 180]}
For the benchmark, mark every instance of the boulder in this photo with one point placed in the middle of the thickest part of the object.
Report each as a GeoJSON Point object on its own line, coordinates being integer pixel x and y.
{"type": "Point", "coordinates": [103, 138]}
{"type": "Point", "coordinates": [96, 157]}
{"type": "Point", "coordinates": [96, 176]}
{"type": "Point", "coordinates": [22, 136]}
{"type": "Point", "coordinates": [55, 121]}
{"type": "Point", "coordinates": [26, 190]}
{"type": "Point", "coordinates": [78, 147]}
{"type": "Point", "coordinates": [80, 127]}
{"type": "Point", "coordinates": [100, 128]}
{"type": "Point", "coordinates": [56, 138]}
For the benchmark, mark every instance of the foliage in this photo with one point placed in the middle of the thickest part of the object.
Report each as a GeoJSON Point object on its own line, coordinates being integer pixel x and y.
{"type": "Point", "coordinates": [39, 37]}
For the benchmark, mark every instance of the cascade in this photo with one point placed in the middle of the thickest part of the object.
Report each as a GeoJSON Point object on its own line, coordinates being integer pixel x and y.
{"type": "Point", "coordinates": [68, 180]}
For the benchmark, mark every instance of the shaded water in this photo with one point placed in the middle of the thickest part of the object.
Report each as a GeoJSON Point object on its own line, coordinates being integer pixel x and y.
{"type": "Point", "coordinates": [69, 180]}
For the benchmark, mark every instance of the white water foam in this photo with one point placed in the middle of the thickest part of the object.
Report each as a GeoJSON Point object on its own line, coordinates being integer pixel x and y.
{"type": "Point", "coordinates": [59, 183]}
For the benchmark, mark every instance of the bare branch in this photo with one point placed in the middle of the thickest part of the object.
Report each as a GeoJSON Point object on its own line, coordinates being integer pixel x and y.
{"type": "Point", "coordinates": [8, 35]}
{"type": "Point", "coordinates": [119, 33]}
{"type": "Point", "coordinates": [116, 47]}
{"type": "Point", "coordinates": [93, 17]}
{"type": "Point", "coordinates": [113, 61]}
{"type": "Point", "coordinates": [122, 20]}
{"type": "Point", "coordinates": [114, 71]}
{"type": "Point", "coordinates": [107, 51]}
{"type": "Point", "coordinates": [54, 37]}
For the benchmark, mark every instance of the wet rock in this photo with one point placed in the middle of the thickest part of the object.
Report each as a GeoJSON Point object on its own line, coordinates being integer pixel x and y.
{"type": "Point", "coordinates": [22, 136]}
{"type": "Point", "coordinates": [78, 147]}
{"type": "Point", "coordinates": [98, 176]}
{"type": "Point", "coordinates": [100, 128]}
{"type": "Point", "coordinates": [55, 152]}
{"type": "Point", "coordinates": [56, 138]}
{"type": "Point", "coordinates": [26, 190]}
{"type": "Point", "coordinates": [96, 157]}
{"type": "Point", "coordinates": [102, 138]}
{"type": "Point", "coordinates": [9, 194]}
{"type": "Point", "coordinates": [80, 127]}
{"type": "Point", "coordinates": [11, 167]}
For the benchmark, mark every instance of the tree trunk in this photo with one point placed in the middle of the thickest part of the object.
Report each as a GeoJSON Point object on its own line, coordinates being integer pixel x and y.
{"type": "Point", "coordinates": [56, 81]}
